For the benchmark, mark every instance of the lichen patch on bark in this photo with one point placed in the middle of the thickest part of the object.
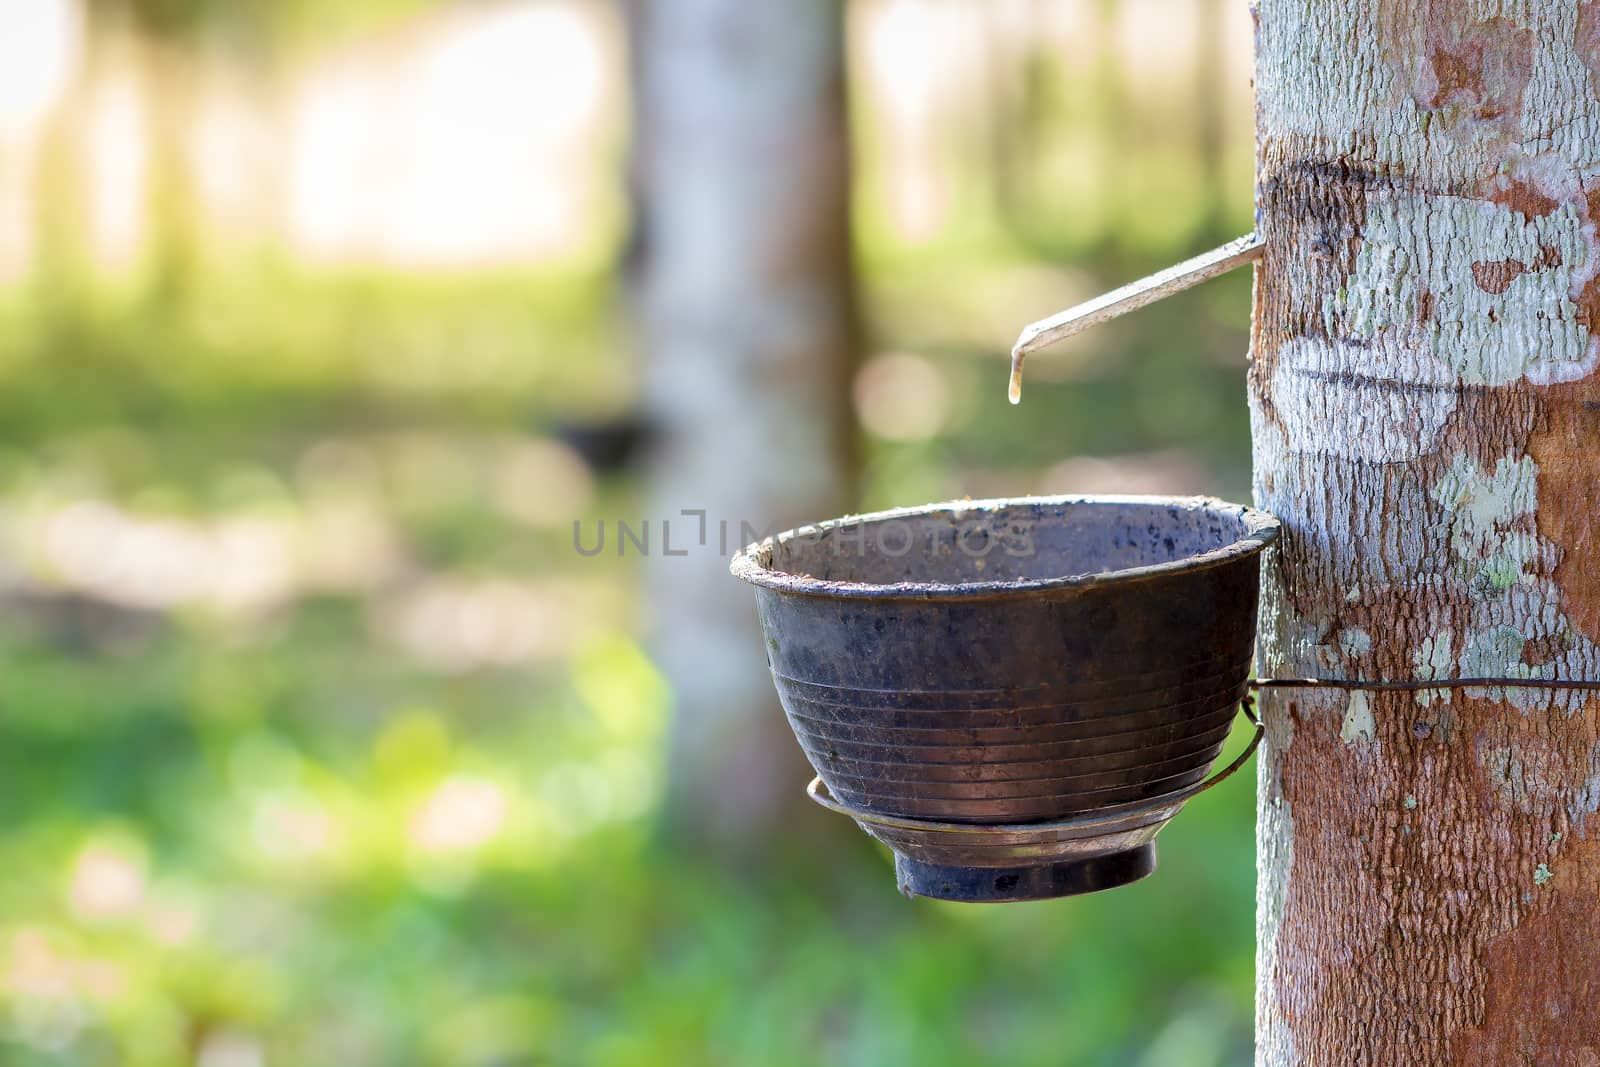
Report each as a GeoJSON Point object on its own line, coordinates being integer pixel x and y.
{"type": "Point", "coordinates": [1359, 725]}
{"type": "Point", "coordinates": [1502, 287]}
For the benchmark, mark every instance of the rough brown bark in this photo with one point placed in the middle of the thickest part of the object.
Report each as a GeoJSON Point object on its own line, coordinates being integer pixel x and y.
{"type": "Point", "coordinates": [742, 273]}
{"type": "Point", "coordinates": [1426, 421]}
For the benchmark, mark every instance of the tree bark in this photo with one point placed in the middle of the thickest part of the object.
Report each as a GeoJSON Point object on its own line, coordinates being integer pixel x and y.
{"type": "Point", "coordinates": [1426, 420]}
{"type": "Point", "coordinates": [741, 272]}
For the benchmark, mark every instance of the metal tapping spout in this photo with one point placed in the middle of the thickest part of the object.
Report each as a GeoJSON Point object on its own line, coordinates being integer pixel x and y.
{"type": "Point", "coordinates": [1107, 306]}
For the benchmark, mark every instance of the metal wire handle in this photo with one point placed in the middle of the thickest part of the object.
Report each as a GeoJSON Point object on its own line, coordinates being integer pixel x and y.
{"type": "Point", "coordinates": [1417, 685]}
{"type": "Point", "coordinates": [1120, 812]}
{"type": "Point", "coordinates": [1116, 813]}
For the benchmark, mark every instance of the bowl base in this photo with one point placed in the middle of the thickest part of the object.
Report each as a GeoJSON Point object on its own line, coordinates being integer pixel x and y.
{"type": "Point", "coordinates": [995, 885]}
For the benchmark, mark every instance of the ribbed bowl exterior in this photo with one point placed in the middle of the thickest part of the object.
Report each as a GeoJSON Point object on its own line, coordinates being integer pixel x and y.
{"type": "Point", "coordinates": [1016, 707]}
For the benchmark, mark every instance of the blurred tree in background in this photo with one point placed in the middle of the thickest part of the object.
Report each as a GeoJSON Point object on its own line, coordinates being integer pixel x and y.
{"type": "Point", "coordinates": [319, 742]}
{"type": "Point", "coordinates": [741, 266]}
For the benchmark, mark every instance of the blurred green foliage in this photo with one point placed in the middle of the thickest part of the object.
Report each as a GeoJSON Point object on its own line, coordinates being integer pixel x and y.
{"type": "Point", "coordinates": [280, 819]}
{"type": "Point", "coordinates": [271, 21]}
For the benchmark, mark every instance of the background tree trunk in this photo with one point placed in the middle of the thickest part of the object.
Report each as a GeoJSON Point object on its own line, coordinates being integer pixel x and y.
{"type": "Point", "coordinates": [742, 277]}
{"type": "Point", "coordinates": [1425, 423]}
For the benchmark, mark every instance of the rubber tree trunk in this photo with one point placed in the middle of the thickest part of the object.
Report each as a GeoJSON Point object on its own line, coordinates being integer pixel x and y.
{"type": "Point", "coordinates": [741, 272]}
{"type": "Point", "coordinates": [1426, 423]}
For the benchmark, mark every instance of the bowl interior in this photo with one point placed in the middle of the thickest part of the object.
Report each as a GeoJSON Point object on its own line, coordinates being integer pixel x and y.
{"type": "Point", "coordinates": [1012, 541]}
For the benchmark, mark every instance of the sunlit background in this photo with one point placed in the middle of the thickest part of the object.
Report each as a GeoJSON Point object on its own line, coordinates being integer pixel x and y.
{"type": "Point", "coordinates": [321, 744]}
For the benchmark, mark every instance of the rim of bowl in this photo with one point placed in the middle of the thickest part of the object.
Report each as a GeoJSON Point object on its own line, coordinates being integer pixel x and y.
{"type": "Point", "coordinates": [753, 562]}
